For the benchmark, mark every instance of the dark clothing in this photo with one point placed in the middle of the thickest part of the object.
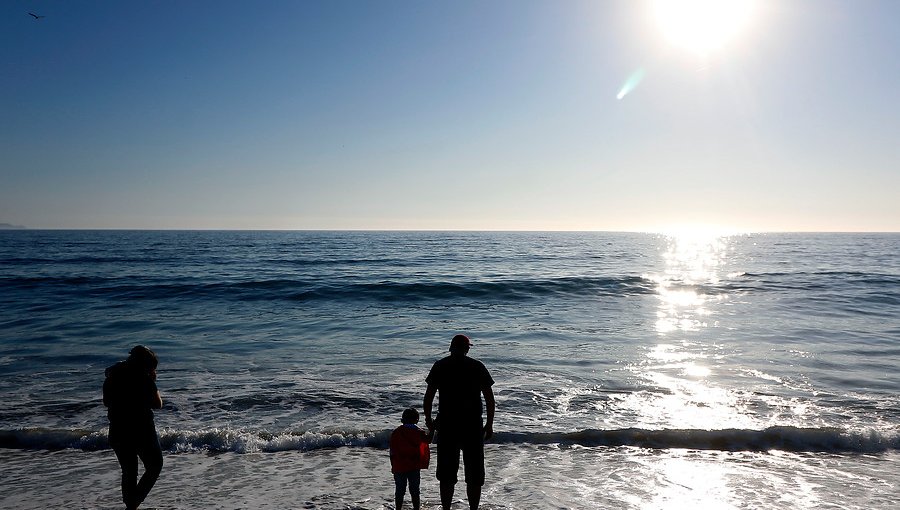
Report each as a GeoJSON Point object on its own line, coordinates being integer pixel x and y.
{"type": "Point", "coordinates": [459, 381]}
{"type": "Point", "coordinates": [448, 449]}
{"type": "Point", "coordinates": [129, 394]}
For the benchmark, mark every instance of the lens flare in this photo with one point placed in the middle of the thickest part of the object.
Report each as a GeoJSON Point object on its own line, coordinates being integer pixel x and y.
{"type": "Point", "coordinates": [631, 83]}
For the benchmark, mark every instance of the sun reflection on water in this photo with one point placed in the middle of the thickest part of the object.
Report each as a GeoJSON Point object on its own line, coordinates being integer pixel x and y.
{"type": "Point", "coordinates": [683, 482]}
{"type": "Point", "coordinates": [691, 377]}
{"type": "Point", "coordinates": [692, 261]}
{"type": "Point", "coordinates": [682, 368]}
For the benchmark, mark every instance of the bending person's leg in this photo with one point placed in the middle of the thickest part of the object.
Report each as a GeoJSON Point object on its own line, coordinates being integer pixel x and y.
{"type": "Point", "coordinates": [151, 456]}
{"type": "Point", "coordinates": [128, 461]}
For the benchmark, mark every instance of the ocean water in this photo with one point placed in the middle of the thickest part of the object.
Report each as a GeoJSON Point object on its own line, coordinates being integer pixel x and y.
{"type": "Point", "coordinates": [633, 371]}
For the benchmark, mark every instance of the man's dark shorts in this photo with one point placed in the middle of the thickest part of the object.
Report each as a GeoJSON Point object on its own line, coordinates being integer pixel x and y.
{"type": "Point", "coordinates": [448, 451]}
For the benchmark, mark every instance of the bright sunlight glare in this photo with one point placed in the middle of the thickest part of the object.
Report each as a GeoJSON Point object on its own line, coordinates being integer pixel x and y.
{"type": "Point", "coordinates": [702, 26]}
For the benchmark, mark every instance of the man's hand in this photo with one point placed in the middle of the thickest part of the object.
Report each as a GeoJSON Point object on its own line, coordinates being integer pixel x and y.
{"type": "Point", "coordinates": [488, 431]}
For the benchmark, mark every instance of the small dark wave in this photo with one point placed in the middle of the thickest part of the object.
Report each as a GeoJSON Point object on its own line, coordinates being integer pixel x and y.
{"type": "Point", "coordinates": [87, 260]}
{"type": "Point", "coordinates": [331, 262]}
{"type": "Point", "coordinates": [506, 289]}
{"type": "Point", "coordinates": [298, 290]}
{"type": "Point", "coordinates": [867, 289]}
{"type": "Point", "coordinates": [53, 439]}
{"type": "Point", "coordinates": [791, 439]}
{"type": "Point", "coordinates": [820, 279]}
{"type": "Point", "coordinates": [30, 282]}
{"type": "Point", "coordinates": [785, 438]}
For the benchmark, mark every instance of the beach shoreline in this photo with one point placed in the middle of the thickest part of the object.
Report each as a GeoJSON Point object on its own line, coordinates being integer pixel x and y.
{"type": "Point", "coordinates": [359, 478]}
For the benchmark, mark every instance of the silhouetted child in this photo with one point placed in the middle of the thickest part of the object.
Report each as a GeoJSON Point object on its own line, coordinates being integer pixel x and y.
{"type": "Point", "coordinates": [409, 454]}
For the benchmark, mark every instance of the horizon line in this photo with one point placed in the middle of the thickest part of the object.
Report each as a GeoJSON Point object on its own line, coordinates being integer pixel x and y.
{"type": "Point", "coordinates": [670, 231]}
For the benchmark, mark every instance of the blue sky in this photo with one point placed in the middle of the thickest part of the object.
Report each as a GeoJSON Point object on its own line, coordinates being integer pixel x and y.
{"type": "Point", "coordinates": [445, 115]}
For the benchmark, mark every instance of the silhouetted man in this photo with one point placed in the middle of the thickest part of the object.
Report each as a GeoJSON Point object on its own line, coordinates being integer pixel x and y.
{"type": "Point", "coordinates": [461, 381]}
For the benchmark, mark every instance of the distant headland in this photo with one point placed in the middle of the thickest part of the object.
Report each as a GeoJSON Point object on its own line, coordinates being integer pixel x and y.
{"type": "Point", "coordinates": [8, 226]}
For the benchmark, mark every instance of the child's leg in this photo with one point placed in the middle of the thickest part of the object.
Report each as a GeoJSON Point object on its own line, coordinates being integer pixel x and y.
{"type": "Point", "coordinates": [399, 489]}
{"type": "Point", "coordinates": [414, 479]}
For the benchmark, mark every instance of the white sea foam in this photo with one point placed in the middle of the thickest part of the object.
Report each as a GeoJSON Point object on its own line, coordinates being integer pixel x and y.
{"type": "Point", "coordinates": [519, 477]}
{"type": "Point", "coordinates": [242, 441]}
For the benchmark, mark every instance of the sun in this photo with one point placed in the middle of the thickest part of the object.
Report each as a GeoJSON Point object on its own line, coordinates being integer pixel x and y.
{"type": "Point", "coordinates": [702, 27]}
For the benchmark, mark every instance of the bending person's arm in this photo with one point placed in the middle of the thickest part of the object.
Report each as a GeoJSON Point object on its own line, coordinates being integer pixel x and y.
{"type": "Point", "coordinates": [491, 406]}
{"type": "Point", "coordinates": [156, 399]}
{"type": "Point", "coordinates": [156, 403]}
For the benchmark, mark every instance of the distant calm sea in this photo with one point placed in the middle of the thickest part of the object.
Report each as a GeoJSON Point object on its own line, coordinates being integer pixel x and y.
{"type": "Point", "coordinates": [633, 371]}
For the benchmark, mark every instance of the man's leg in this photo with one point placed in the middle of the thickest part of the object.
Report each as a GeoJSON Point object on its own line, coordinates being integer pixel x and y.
{"type": "Point", "coordinates": [446, 494]}
{"type": "Point", "coordinates": [473, 459]}
{"type": "Point", "coordinates": [473, 492]}
{"type": "Point", "coordinates": [447, 468]}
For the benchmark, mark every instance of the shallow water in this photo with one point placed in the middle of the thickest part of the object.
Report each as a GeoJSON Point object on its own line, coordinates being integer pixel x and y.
{"type": "Point", "coordinates": [520, 477]}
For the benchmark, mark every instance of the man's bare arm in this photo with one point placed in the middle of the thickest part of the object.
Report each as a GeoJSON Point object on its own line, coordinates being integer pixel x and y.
{"type": "Point", "coordinates": [491, 408]}
{"type": "Point", "coordinates": [426, 405]}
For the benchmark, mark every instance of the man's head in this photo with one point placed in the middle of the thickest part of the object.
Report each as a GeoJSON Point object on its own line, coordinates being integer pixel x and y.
{"type": "Point", "coordinates": [410, 417]}
{"type": "Point", "coordinates": [460, 344]}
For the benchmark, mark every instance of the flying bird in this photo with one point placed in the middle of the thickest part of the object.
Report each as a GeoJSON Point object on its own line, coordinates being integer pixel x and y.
{"type": "Point", "coordinates": [35, 16]}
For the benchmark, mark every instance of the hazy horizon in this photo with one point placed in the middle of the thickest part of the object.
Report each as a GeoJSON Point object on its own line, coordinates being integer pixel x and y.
{"type": "Point", "coordinates": [687, 230]}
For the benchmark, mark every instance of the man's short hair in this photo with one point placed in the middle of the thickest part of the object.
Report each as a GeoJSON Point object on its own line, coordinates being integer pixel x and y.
{"type": "Point", "coordinates": [460, 342]}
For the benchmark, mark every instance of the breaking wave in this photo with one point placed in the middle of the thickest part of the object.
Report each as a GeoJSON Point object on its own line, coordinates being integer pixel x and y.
{"type": "Point", "coordinates": [786, 438]}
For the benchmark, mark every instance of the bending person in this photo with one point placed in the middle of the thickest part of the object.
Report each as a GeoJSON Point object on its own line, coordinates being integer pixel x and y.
{"type": "Point", "coordinates": [130, 394]}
